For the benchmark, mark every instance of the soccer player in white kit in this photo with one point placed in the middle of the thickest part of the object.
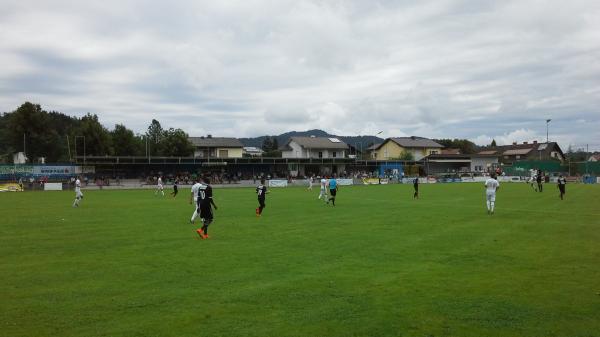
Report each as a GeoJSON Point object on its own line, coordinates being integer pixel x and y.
{"type": "Point", "coordinates": [194, 198]}
{"type": "Point", "coordinates": [491, 186]}
{"type": "Point", "coordinates": [323, 192]}
{"type": "Point", "coordinates": [78, 194]}
{"type": "Point", "coordinates": [159, 187]}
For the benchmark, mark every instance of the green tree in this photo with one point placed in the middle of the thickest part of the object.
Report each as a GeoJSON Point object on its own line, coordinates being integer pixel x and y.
{"type": "Point", "coordinates": [267, 144]}
{"type": "Point", "coordinates": [493, 143]}
{"type": "Point", "coordinates": [98, 140]}
{"type": "Point", "coordinates": [406, 155]}
{"type": "Point", "coordinates": [465, 145]}
{"type": "Point", "coordinates": [155, 133]}
{"type": "Point", "coordinates": [176, 143]}
{"type": "Point", "coordinates": [125, 143]}
{"type": "Point", "coordinates": [32, 129]}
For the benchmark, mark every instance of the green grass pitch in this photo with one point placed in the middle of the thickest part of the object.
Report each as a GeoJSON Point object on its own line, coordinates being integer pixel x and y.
{"type": "Point", "coordinates": [127, 263]}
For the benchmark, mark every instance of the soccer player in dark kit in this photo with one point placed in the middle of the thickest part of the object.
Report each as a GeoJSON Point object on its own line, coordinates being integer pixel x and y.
{"type": "Point", "coordinates": [261, 192]}
{"type": "Point", "coordinates": [174, 193]}
{"type": "Point", "coordinates": [539, 180]}
{"type": "Point", "coordinates": [416, 186]}
{"type": "Point", "coordinates": [561, 184]}
{"type": "Point", "coordinates": [205, 203]}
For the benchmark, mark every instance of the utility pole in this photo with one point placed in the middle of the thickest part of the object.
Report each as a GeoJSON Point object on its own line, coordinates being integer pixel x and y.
{"type": "Point", "coordinates": [547, 122]}
{"type": "Point", "coordinates": [69, 148]}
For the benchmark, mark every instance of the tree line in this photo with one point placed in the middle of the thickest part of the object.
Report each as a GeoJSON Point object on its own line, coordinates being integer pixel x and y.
{"type": "Point", "coordinates": [58, 137]}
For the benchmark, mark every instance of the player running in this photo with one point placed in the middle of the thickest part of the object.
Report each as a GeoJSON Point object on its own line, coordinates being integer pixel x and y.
{"type": "Point", "coordinates": [175, 190]}
{"type": "Point", "coordinates": [194, 197]}
{"type": "Point", "coordinates": [78, 194]}
{"type": "Point", "coordinates": [261, 192]}
{"type": "Point", "coordinates": [323, 192]}
{"type": "Point", "coordinates": [491, 186]}
{"type": "Point", "coordinates": [539, 178]}
{"type": "Point", "coordinates": [562, 184]}
{"type": "Point", "coordinates": [159, 187]}
{"type": "Point", "coordinates": [416, 186]}
{"type": "Point", "coordinates": [332, 190]}
{"type": "Point", "coordinates": [310, 182]}
{"type": "Point", "coordinates": [205, 203]}
{"type": "Point", "coordinates": [532, 179]}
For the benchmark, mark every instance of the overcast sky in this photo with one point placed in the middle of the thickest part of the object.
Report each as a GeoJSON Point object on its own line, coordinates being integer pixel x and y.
{"type": "Point", "coordinates": [454, 69]}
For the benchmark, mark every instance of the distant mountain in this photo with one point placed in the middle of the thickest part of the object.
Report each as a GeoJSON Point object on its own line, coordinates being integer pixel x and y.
{"type": "Point", "coordinates": [356, 141]}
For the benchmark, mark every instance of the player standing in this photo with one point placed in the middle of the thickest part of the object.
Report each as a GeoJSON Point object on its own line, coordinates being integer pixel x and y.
{"type": "Point", "coordinates": [310, 181]}
{"type": "Point", "coordinates": [323, 192]}
{"type": "Point", "coordinates": [159, 187]}
{"type": "Point", "coordinates": [205, 203]}
{"type": "Point", "coordinates": [261, 192]}
{"type": "Point", "coordinates": [562, 184]}
{"type": "Point", "coordinates": [539, 178]}
{"type": "Point", "coordinates": [332, 190]}
{"type": "Point", "coordinates": [194, 197]}
{"type": "Point", "coordinates": [78, 194]}
{"type": "Point", "coordinates": [174, 193]}
{"type": "Point", "coordinates": [491, 186]}
{"type": "Point", "coordinates": [416, 186]}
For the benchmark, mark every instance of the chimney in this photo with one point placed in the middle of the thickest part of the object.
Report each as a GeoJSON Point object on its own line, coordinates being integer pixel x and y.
{"type": "Point", "coordinates": [535, 142]}
{"type": "Point", "coordinates": [209, 136]}
{"type": "Point", "coordinates": [514, 143]}
{"type": "Point", "coordinates": [524, 143]}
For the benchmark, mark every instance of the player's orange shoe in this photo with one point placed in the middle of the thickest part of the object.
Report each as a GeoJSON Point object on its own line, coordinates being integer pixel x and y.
{"type": "Point", "coordinates": [199, 231]}
{"type": "Point", "coordinates": [206, 236]}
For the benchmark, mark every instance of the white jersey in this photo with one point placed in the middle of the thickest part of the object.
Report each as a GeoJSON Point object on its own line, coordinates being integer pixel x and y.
{"type": "Point", "coordinates": [491, 185]}
{"type": "Point", "coordinates": [323, 183]}
{"type": "Point", "coordinates": [195, 189]}
{"type": "Point", "coordinates": [78, 193]}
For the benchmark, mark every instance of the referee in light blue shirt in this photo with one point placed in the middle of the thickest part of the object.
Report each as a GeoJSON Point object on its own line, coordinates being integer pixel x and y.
{"type": "Point", "coordinates": [332, 190]}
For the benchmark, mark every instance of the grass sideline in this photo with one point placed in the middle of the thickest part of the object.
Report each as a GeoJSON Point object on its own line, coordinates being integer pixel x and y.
{"type": "Point", "coordinates": [128, 263]}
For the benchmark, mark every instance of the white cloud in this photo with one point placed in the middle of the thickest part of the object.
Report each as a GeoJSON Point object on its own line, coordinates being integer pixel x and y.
{"type": "Point", "coordinates": [451, 68]}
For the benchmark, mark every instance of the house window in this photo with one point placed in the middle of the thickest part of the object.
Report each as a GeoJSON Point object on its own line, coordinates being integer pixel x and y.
{"type": "Point", "coordinates": [433, 152]}
{"type": "Point", "coordinates": [518, 157]}
{"type": "Point", "coordinates": [320, 154]}
{"type": "Point", "coordinates": [334, 154]}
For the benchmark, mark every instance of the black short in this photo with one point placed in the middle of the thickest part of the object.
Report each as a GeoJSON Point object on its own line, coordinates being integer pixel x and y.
{"type": "Point", "coordinates": [206, 213]}
{"type": "Point", "coordinates": [175, 188]}
{"type": "Point", "coordinates": [561, 188]}
{"type": "Point", "coordinates": [416, 187]}
{"type": "Point", "coordinates": [333, 192]}
{"type": "Point", "coordinates": [261, 202]}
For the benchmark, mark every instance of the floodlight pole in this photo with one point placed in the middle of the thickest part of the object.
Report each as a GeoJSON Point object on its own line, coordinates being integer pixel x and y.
{"type": "Point", "coordinates": [547, 122]}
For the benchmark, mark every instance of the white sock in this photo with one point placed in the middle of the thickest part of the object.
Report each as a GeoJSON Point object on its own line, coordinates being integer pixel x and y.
{"type": "Point", "coordinates": [492, 206]}
{"type": "Point", "coordinates": [195, 215]}
{"type": "Point", "coordinates": [488, 205]}
{"type": "Point", "coordinates": [74, 202]}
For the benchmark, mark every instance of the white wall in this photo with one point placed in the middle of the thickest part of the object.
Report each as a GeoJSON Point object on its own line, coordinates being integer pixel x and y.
{"type": "Point", "coordinates": [484, 162]}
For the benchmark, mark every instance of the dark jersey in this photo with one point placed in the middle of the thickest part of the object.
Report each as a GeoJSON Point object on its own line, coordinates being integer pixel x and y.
{"type": "Point", "coordinates": [562, 182]}
{"type": "Point", "coordinates": [205, 196]}
{"type": "Point", "coordinates": [261, 190]}
{"type": "Point", "coordinates": [416, 183]}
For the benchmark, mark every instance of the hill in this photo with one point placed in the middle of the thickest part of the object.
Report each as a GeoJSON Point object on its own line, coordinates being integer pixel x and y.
{"type": "Point", "coordinates": [356, 141]}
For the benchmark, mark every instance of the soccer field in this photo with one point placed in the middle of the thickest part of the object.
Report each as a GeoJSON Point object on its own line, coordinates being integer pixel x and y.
{"type": "Point", "coordinates": [127, 263]}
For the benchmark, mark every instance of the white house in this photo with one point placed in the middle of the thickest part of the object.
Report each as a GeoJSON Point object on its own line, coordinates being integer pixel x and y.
{"type": "Point", "coordinates": [314, 147]}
